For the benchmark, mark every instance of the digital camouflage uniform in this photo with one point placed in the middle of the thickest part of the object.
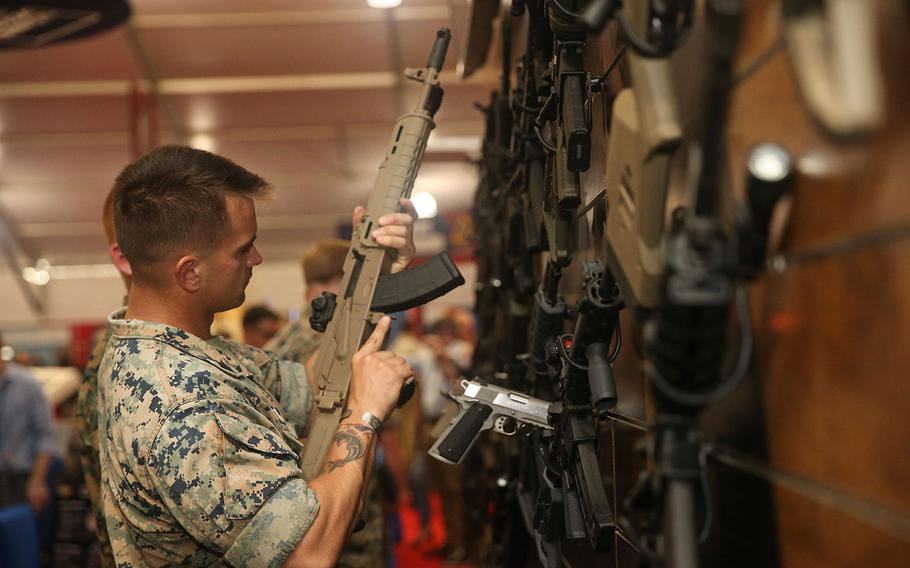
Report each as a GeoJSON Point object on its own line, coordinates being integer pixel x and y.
{"type": "Point", "coordinates": [297, 341]}
{"type": "Point", "coordinates": [199, 452]}
{"type": "Point", "coordinates": [87, 425]}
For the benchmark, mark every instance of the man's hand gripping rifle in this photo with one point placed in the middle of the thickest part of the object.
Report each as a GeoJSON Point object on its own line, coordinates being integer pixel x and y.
{"type": "Point", "coordinates": [369, 289]}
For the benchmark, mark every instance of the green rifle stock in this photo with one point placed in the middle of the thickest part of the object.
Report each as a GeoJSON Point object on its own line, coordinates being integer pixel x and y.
{"type": "Point", "coordinates": [368, 288]}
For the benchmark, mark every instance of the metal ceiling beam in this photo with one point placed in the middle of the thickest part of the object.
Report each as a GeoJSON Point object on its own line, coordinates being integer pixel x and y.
{"type": "Point", "coordinates": [239, 84]}
{"type": "Point", "coordinates": [287, 18]}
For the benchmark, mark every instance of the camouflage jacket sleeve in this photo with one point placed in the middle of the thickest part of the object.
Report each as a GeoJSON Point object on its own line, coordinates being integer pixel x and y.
{"type": "Point", "coordinates": [288, 381]}
{"type": "Point", "coordinates": [232, 483]}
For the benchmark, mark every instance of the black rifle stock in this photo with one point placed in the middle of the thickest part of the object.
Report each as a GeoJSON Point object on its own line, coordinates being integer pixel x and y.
{"type": "Point", "coordinates": [367, 287]}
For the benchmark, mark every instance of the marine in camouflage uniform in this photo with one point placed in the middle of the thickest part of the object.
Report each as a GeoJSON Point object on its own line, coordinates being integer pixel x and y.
{"type": "Point", "coordinates": [200, 456]}
{"type": "Point", "coordinates": [87, 425]}
{"type": "Point", "coordinates": [366, 548]}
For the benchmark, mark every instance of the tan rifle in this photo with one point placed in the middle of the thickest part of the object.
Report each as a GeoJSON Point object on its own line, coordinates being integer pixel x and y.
{"type": "Point", "coordinates": [368, 290]}
{"type": "Point", "coordinates": [644, 133]}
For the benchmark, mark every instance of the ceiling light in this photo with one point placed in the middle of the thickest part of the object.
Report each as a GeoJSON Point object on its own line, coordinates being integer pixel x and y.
{"type": "Point", "coordinates": [383, 3]}
{"type": "Point", "coordinates": [202, 141]}
{"type": "Point", "coordinates": [36, 276]}
{"type": "Point", "coordinates": [425, 204]}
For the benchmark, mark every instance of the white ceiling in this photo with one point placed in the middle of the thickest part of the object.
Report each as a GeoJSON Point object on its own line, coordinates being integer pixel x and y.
{"type": "Point", "coordinates": [303, 92]}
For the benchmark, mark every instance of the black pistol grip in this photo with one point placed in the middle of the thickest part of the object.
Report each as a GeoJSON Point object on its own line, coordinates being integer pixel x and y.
{"type": "Point", "coordinates": [574, 125]}
{"type": "Point", "coordinates": [416, 286]}
{"type": "Point", "coordinates": [600, 378]}
{"type": "Point", "coordinates": [407, 391]}
{"type": "Point", "coordinates": [463, 433]}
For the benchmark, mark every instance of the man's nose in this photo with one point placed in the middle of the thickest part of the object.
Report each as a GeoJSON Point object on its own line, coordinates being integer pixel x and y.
{"type": "Point", "coordinates": [255, 257]}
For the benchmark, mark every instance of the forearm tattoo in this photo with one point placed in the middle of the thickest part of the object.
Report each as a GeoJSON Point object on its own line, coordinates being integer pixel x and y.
{"type": "Point", "coordinates": [355, 439]}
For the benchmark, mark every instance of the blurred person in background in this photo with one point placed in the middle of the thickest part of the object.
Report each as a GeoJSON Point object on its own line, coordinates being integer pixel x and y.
{"type": "Point", "coordinates": [453, 357]}
{"type": "Point", "coordinates": [416, 422]}
{"type": "Point", "coordinates": [28, 444]}
{"type": "Point", "coordinates": [260, 324]}
{"type": "Point", "coordinates": [23, 358]}
{"type": "Point", "coordinates": [452, 352]}
{"type": "Point", "coordinates": [86, 413]}
{"type": "Point", "coordinates": [323, 270]}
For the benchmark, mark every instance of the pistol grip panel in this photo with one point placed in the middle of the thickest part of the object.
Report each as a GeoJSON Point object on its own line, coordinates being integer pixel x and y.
{"type": "Point", "coordinates": [462, 435]}
{"type": "Point", "coordinates": [416, 286]}
{"type": "Point", "coordinates": [407, 391]}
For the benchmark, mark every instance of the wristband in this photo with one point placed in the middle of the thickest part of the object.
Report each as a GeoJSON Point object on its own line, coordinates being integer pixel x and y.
{"type": "Point", "coordinates": [374, 423]}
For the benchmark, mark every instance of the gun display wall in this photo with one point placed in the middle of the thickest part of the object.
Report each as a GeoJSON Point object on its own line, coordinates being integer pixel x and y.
{"type": "Point", "coordinates": [693, 285]}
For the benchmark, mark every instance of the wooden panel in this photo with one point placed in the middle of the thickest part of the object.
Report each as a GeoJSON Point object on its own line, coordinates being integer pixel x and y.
{"type": "Point", "coordinates": [628, 372]}
{"type": "Point", "coordinates": [272, 50]}
{"type": "Point", "coordinates": [238, 110]}
{"type": "Point", "coordinates": [835, 382]}
{"type": "Point", "coordinates": [105, 56]}
{"type": "Point", "coordinates": [627, 556]}
{"type": "Point", "coordinates": [817, 536]}
{"type": "Point", "coordinates": [628, 460]}
{"type": "Point", "coordinates": [60, 165]}
{"type": "Point", "coordinates": [843, 189]}
{"type": "Point", "coordinates": [63, 115]}
{"type": "Point", "coordinates": [202, 6]}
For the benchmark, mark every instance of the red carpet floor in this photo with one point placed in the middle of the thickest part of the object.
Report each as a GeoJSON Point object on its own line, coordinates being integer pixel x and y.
{"type": "Point", "coordinates": [410, 553]}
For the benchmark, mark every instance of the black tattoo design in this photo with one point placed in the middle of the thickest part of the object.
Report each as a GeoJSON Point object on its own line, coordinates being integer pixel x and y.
{"type": "Point", "coordinates": [355, 438]}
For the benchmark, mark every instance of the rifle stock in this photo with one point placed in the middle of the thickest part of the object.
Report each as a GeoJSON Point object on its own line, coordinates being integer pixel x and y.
{"type": "Point", "coordinates": [645, 132]}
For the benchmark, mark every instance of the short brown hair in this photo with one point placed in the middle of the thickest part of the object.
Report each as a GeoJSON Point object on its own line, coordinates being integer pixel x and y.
{"type": "Point", "coordinates": [174, 197]}
{"type": "Point", "coordinates": [325, 261]}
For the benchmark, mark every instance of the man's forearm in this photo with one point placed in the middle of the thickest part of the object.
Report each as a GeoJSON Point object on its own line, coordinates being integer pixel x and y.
{"type": "Point", "coordinates": [340, 489]}
{"type": "Point", "coordinates": [41, 467]}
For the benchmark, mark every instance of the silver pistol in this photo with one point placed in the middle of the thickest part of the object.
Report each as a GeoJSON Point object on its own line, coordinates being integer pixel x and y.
{"type": "Point", "coordinates": [482, 407]}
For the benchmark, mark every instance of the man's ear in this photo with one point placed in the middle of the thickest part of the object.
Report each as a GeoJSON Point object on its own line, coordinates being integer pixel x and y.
{"type": "Point", "coordinates": [120, 261]}
{"type": "Point", "coordinates": [187, 274]}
